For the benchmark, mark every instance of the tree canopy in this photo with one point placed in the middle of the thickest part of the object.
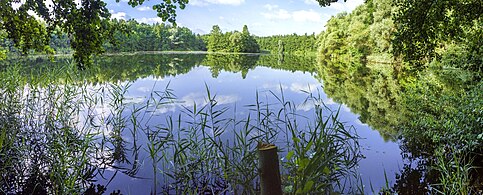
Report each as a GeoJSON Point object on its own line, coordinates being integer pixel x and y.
{"type": "Point", "coordinates": [424, 26]}
{"type": "Point", "coordinates": [239, 42]}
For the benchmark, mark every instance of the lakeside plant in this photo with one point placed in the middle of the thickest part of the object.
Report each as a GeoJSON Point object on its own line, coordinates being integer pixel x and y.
{"type": "Point", "coordinates": [61, 139]}
{"type": "Point", "coordinates": [43, 150]}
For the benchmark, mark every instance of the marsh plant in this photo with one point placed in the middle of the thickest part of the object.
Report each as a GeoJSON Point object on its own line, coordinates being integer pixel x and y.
{"type": "Point", "coordinates": [44, 147]}
{"type": "Point", "coordinates": [60, 137]}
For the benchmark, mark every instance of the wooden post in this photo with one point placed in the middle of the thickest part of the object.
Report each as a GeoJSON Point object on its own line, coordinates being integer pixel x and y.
{"type": "Point", "coordinates": [270, 183]}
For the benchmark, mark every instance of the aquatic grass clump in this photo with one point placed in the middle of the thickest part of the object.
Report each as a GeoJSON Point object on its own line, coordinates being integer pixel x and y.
{"type": "Point", "coordinates": [455, 172]}
{"type": "Point", "coordinates": [321, 151]}
{"type": "Point", "coordinates": [206, 149]}
{"type": "Point", "coordinates": [46, 145]}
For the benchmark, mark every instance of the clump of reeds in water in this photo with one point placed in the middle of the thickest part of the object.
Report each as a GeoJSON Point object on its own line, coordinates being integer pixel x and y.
{"type": "Point", "coordinates": [206, 148]}
{"type": "Point", "coordinates": [47, 143]}
{"type": "Point", "coordinates": [59, 137]}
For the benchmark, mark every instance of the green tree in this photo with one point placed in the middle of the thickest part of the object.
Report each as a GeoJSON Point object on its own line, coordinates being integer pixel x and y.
{"type": "Point", "coordinates": [250, 45]}
{"type": "Point", "coordinates": [86, 24]}
{"type": "Point", "coordinates": [424, 26]}
{"type": "Point", "coordinates": [293, 44]}
{"type": "Point", "coordinates": [239, 42]}
{"type": "Point", "coordinates": [214, 39]}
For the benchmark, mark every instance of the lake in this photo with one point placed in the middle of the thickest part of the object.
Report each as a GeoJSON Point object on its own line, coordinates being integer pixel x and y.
{"type": "Point", "coordinates": [143, 109]}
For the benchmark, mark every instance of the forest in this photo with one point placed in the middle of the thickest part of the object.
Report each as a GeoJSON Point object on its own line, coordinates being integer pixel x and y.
{"type": "Point", "coordinates": [132, 36]}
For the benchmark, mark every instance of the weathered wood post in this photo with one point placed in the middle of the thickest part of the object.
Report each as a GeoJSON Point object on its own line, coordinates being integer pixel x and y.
{"type": "Point", "coordinates": [270, 182]}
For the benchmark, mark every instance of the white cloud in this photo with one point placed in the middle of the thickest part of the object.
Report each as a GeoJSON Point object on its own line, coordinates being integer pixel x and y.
{"type": "Point", "coordinates": [299, 16]}
{"type": "Point", "coordinates": [200, 99]}
{"type": "Point", "coordinates": [144, 89]}
{"type": "Point", "coordinates": [274, 87]}
{"type": "Point", "coordinates": [119, 15]}
{"type": "Point", "coordinates": [134, 100]}
{"type": "Point", "coordinates": [280, 14]}
{"type": "Point", "coordinates": [227, 99]}
{"type": "Point", "coordinates": [309, 105]}
{"type": "Point", "coordinates": [346, 6]}
{"type": "Point", "coordinates": [144, 8]}
{"type": "Point", "coordinates": [165, 109]}
{"type": "Point", "coordinates": [311, 2]}
{"type": "Point", "coordinates": [329, 101]}
{"type": "Point", "coordinates": [270, 7]}
{"type": "Point", "coordinates": [150, 20]}
{"type": "Point", "coordinates": [306, 16]}
{"type": "Point", "coordinates": [217, 2]}
{"type": "Point", "coordinates": [338, 6]}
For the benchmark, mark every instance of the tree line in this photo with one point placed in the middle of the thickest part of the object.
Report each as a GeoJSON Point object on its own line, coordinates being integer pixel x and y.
{"type": "Point", "coordinates": [293, 43]}
{"type": "Point", "coordinates": [134, 36]}
{"type": "Point", "coordinates": [131, 36]}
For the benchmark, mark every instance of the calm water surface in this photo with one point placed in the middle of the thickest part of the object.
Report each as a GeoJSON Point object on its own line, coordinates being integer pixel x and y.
{"type": "Point", "coordinates": [235, 80]}
{"type": "Point", "coordinates": [365, 97]}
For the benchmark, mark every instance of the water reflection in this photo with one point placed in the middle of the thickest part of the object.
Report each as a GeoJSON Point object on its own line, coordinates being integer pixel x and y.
{"type": "Point", "coordinates": [431, 113]}
{"type": "Point", "coordinates": [370, 90]}
{"type": "Point", "coordinates": [136, 117]}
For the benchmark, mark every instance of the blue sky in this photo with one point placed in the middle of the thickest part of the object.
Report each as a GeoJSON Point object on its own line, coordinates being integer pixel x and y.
{"type": "Point", "coordinates": [263, 17]}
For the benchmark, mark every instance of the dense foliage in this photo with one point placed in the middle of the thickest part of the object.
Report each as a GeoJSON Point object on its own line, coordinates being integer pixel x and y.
{"type": "Point", "coordinates": [295, 44]}
{"type": "Point", "coordinates": [435, 114]}
{"type": "Point", "coordinates": [435, 111]}
{"type": "Point", "coordinates": [238, 42]}
{"type": "Point", "coordinates": [131, 36]}
{"type": "Point", "coordinates": [364, 32]}
{"type": "Point", "coordinates": [426, 29]}
{"type": "Point", "coordinates": [156, 37]}
{"type": "Point", "coordinates": [87, 23]}
{"type": "Point", "coordinates": [420, 31]}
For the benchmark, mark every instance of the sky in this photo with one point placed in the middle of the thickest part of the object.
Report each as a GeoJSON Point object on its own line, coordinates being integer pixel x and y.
{"type": "Point", "coordinates": [263, 17]}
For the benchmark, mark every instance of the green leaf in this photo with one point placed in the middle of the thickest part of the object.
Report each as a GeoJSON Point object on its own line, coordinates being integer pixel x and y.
{"type": "Point", "coordinates": [308, 186]}
{"type": "Point", "coordinates": [289, 155]}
